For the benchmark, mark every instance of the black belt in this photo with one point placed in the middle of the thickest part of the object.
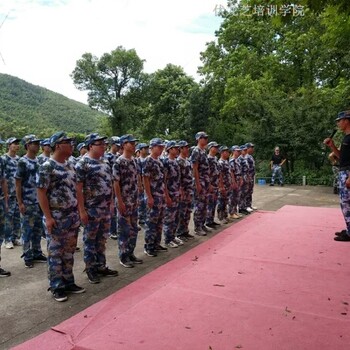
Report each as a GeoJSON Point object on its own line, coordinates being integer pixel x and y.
{"type": "Point", "coordinates": [342, 168]}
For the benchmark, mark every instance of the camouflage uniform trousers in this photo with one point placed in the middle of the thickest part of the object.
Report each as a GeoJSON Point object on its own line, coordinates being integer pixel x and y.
{"type": "Point", "coordinates": [114, 219]}
{"type": "Point", "coordinates": [171, 219]}
{"type": "Point", "coordinates": [223, 199]}
{"type": "Point", "coordinates": [277, 171]}
{"type": "Point", "coordinates": [234, 199]}
{"type": "Point", "coordinates": [185, 210]}
{"type": "Point", "coordinates": [2, 222]}
{"type": "Point", "coordinates": [95, 236]}
{"type": "Point", "coordinates": [128, 231]}
{"type": "Point", "coordinates": [154, 223]}
{"type": "Point", "coordinates": [200, 208]}
{"type": "Point", "coordinates": [61, 244]}
{"type": "Point", "coordinates": [344, 195]}
{"type": "Point", "coordinates": [142, 210]}
{"type": "Point", "coordinates": [32, 226]}
{"type": "Point", "coordinates": [12, 221]}
{"type": "Point", "coordinates": [212, 202]}
{"type": "Point", "coordinates": [243, 193]}
{"type": "Point", "coordinates": [249, 200]}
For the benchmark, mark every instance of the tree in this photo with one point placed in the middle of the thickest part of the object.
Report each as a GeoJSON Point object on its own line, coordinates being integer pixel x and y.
{"type": "Point", "coordinates": [108, 81]}
{"type": "Point", "coordinates": [278, 81]}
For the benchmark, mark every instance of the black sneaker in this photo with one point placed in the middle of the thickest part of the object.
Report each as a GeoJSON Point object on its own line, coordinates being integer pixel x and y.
{"type": "Point", "coordinates": [342, 238]}
{"type": "Point", "coordinates": [135, 260]}
{"type": "Point", "coordinates": [272, 185]}
{"type": "Point", "coordinates": [93, 277]}
{"type": "Point", "coordinates": [4, 273]}
{"type": "Point", "coordinates": [107, 272]}
{"type": "Point", "coordinates": [59, 294]}
{"type": "Point", "coordinates": [40, 258]}
{"type": "Point", "coordinates": [28, 264]}
{"type": "Point", "coordinates": [340, 233]}
{"type": "Point", "coordinates": [113, 236]}
{"type": "Point", "coordinates": [211, 224]}
{"type": "Point", "coordinates": [188, 235]}
{"type": "Point", "coordinates": [126, 263]}
{"type": "Point", "coordinates": [160, 248]}
{"type": "Point", "coordinates": [150, 252]}
{"type": "Point", "coordinates": [74, 289]}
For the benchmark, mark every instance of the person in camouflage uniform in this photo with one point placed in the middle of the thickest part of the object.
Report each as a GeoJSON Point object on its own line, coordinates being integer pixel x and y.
{"type": "Point", "coordinates": [186, 192]}
{"type": "Point", "coordinates": [143, 153]}
{"type": "Point", "coordinates": [94, 192]}
{"type": "Point", "coordinates": [111, 156]}
{"type": "Point", "coordinates": [153, 180]}
{"type": "Point", "coordinates": [56, 183]}
{"type": "Point", "coordinates": [200, 166]}
{"type": "Point", "coordinates": [3, 208]}
{"type": "Point", "coordinates": [12, 217]}
{"type": "Point", "coordinates": [31, 217]}
{"type": "Point", "coordinates": [226, 180]}
{"type": "Point", "coordinates": [242, 159]}
{"type": "Point", "coordinates": [251, 176]}
{"type": "Point", "coordinates": [45, 155]}
{"type": "Point", "coordinates": [172, 175]}
{"type": "Point", "coordinates": [237, 181]}
{"type": "Point", "coordinates": [126, 178]}
{"type": "Point", "coordinates": [215, 181]}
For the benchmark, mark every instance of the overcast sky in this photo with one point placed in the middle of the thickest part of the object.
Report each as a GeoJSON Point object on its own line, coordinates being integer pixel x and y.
{"type": "Point", "coordinates": [41, 40]}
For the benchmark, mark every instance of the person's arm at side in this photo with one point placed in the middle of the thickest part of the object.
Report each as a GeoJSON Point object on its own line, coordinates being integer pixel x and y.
{"type": "Point", "coordinates": [147, 186]}
{"type": "Point", "coordinates": [45, 207]}
{"type": "Point", "coordinates": [21, 206]}
{"type": "Point", "coordinates": [117, 191]}
{"type": "Point", "coordinates": [80, 197]}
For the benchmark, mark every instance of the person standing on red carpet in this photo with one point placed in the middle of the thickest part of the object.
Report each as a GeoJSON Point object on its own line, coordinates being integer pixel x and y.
{"type": "Point", "coordinates": [343, 154]}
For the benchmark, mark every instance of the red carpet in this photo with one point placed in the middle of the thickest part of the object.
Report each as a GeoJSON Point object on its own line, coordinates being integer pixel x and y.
{"type": "Point", "coordinates": [275, 280]}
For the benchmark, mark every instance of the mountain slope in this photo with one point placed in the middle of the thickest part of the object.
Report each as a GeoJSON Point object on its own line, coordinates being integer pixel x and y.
{"type": "Point", "coordinates": [34, 109]}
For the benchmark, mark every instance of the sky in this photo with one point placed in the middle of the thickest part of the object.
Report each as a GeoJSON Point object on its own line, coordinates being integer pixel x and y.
{"type": "Point", "coordinates": [41, 40]}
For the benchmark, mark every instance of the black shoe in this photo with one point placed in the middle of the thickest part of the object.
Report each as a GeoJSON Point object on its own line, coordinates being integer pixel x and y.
{"type": "Point", "coordinates": [74, 289]}
{"type": "Point", "coordinates": [216, 223]}
{"type": "Point", "coordinates": [93, 277]}
{"type": "Point", "coordinates": [126, 263]}
{"type": "Point", "coordinates": [340, 233]}
{"type": "Point", "coordinates": [342, 238]}
{"type": "Point", "coordinates": [244, 211]}
{"type": "Point", "coordinates": [188, 235]}
{"type": "Point", "coordinates": [212, 225]}
{"type": "Point", "coordinates": [59, 294]}
{"type": "Point", "coordinates": [107, 272]}
{"type": "Point", "coordinates": [282, 185]}
{"type": "Point", "coordinates": [149, 252]}
{"type": "Point", "coordinates": [182, 237]}
{"type": "Point", "coordinates": [4, 273]}
{"type": "Point", "coordinates": [135, 260]}
{"type": "Point", "coordinates": [160, 248]}
{"type": "Point", "coordinates": [28, 264]}
{"type": "Point", "coordinates": [40, 258]}
{"type": "Point", "coordinates": [113, 236]}
{"type": "Point", "coordinates": [272, 185]}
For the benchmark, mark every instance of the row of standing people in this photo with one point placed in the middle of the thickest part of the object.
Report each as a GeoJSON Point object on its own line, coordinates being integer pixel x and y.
{"type": "Point", "coordinates": [74, 191]}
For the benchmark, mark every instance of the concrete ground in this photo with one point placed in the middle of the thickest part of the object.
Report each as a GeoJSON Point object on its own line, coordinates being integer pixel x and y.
{"type": "Point", "coordinates": [28, 309]}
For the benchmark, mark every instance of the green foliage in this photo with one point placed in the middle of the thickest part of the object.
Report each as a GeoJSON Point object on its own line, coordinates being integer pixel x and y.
{"type": "Point", "coordinates": [108, 80]}
{"type": "Point", "coordinates": [278, 81]}
{"type": "Point", "coordinates": [28, 109]}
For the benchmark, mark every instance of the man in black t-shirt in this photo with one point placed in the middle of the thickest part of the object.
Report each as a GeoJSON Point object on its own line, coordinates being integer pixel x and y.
{"type": "Point", "coordinates": [343, 154]}
{"type": "Point", "coordinates": [277, 160]}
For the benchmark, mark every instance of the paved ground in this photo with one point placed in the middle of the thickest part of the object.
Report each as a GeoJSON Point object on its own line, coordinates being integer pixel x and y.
{"type": "Point", "coordinates": [27, 309]}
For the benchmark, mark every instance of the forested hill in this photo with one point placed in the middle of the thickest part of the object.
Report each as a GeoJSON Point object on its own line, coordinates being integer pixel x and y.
{"type": "Point", "coordinates": [26, 108]}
